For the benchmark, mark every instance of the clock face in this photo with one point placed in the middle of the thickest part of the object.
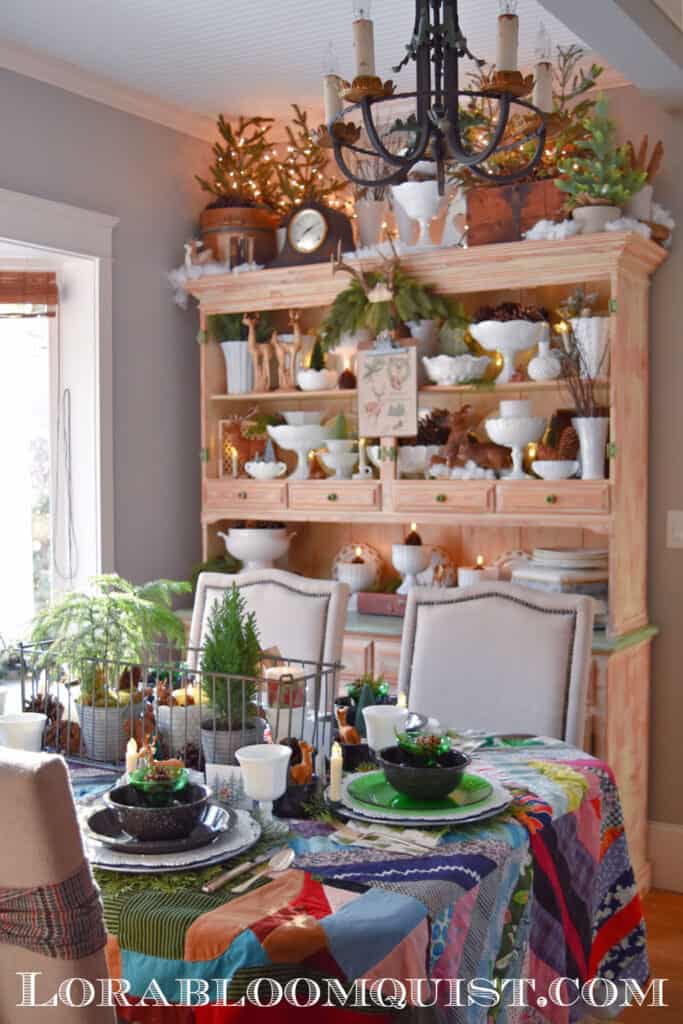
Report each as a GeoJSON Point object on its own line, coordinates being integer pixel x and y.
{"type": "Point", "coordinates": [307, 231]}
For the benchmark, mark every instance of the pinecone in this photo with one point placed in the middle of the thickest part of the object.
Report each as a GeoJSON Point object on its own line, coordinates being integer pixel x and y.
{"type": "Point", "coordinates": [568, 447]}
{"type": "Point", "coordinates": [546, 453]}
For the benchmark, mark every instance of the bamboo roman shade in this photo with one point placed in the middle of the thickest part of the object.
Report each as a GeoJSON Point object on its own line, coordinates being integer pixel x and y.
{"type": "Point", "coordinates": [19, 287]}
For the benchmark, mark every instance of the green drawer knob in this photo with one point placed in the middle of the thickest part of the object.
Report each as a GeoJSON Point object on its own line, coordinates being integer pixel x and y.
{"type": "Point", "coordinates": [242, 495]}
{"type": "Point", "coordinates": [332, 497]}
{"type": "Point", "coordinates": [441, 498]}
{"type": "Point", "coordinates": [551, 499]}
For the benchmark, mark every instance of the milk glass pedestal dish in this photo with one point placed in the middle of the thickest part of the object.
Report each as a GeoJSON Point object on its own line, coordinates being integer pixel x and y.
{"type": "Point", "coordinates": [265, 769]}
{"type": "Point", "coordinates": [419, 200]}
{"type": "Point", "coordinates": [410, 560]}
{"type": "Point", "coordinates": [516, 428]}
{"type": "Point", "coordinates": [507, 337]}
{"type": "Point", "coordinates": [300, 439]}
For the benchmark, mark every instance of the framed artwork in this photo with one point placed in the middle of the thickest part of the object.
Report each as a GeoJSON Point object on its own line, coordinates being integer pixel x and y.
{"type": "Point", "coordinates": [226, 782]}
{"type": "Point", "coordinates": [387, 389]}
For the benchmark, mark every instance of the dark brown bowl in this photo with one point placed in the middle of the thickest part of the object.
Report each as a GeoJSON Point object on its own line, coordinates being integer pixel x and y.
{"type": "Point", "coordinates": [176, 821]}
{"type": "Point", "coordinates": [420, 781]}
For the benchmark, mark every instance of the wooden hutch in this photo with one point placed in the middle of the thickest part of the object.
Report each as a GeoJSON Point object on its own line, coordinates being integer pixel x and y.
{"type": "Point", "coordinates": [474, 517]}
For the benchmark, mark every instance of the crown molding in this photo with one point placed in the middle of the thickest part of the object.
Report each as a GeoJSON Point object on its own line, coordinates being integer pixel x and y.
{"type": "Point", "coordinates": [92, 86]}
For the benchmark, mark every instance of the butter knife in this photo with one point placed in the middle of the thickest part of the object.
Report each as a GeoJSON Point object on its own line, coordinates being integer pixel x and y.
{"type": "Point", "coordinates": [226, 876]}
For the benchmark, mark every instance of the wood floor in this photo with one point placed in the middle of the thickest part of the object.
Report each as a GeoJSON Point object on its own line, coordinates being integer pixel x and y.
{"type": "Point", "coordinates": [664, 916]}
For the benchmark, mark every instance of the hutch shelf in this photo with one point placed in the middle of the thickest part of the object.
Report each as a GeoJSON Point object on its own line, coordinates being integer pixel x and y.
{"type": "Point", "coordinates": [473, 517]}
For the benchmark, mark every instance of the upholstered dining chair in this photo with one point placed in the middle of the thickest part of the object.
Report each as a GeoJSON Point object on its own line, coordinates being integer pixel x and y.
{"type": "Point", "coordinates": [302, 617]}
{"type": "Point", "coordinates": [50, 911]}
{"type": "Point", "coordinates": [498, 656]}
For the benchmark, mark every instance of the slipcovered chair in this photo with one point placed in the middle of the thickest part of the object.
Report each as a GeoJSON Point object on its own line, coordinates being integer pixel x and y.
{"type": "Point", "coordinates": [50, 912]}
{"type": "Point", "coordinates": [499, 657]}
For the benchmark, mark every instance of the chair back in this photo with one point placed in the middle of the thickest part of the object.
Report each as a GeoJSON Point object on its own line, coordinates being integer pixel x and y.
{"type": "Point", "coordinates": [304, 618]}
{"type": "Point", "coordinates": [41, 846]}
{"type": "Point", "coordinates": [499, 657]}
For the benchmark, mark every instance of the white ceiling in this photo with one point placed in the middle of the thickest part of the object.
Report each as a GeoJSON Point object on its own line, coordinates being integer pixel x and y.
{"type": "Point", "coordinates": [237, 56]}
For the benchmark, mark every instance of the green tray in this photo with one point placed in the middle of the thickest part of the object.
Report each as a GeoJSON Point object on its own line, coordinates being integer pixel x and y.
{"type": "Point", "coordinates": [372, 789]}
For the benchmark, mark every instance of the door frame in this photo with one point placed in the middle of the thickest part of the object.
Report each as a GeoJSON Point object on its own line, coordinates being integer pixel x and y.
{"type": "Point", "coordinates": [72, 231]}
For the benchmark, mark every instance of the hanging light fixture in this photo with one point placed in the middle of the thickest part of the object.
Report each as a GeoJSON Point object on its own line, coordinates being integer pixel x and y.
{"type": "Point", "coordinates": [441, 127]}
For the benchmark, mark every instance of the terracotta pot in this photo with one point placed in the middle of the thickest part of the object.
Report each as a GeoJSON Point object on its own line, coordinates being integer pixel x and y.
{"type": "Point", "coordinates": [223, 226]}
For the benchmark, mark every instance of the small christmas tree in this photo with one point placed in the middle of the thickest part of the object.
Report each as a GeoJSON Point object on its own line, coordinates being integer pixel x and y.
{"type": "Point", "coordinates": [231, 648]}
{"type": "Point", "coordinates": [302, 173]}
{"type": "Point", "coordinates": [243, 172]}
{"type": "Point", "coordinates": [317, 356]}
{"type": "Point", "coordinates": [600, 172]}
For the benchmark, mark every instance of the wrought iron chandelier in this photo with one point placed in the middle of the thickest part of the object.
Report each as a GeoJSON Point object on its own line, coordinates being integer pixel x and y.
{"type": "Point", "coordinates": [439, 124]}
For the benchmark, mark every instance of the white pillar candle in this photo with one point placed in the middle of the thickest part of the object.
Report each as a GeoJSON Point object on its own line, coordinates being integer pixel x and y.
{"type": "Point", "coordinates": [331, 97]}
{"type": "Point", "coordinates": [508, 41]}
{"type": "Point", "coordinates": [543, 87]}
{"type": "Point", "coordinates": [364, 46]}
{"type": "Point", "coordinates": [131, 755]}
{"type": "Point", "coordinates": [336, 761]}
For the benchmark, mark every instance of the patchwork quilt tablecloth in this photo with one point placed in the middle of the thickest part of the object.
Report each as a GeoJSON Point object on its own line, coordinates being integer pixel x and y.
{"type": "Point", "coordinates": [542, 891]}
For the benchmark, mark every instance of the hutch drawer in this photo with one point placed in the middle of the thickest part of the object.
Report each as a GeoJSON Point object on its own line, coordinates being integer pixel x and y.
{"type": "Point", "coordinates": [335, 495]}
{"type": "Point", "coordinates": [541, 496]}
{"type": "Point", "coordinates": [244, 495]}
{"type": "Point", "coordinates": [450, 495]}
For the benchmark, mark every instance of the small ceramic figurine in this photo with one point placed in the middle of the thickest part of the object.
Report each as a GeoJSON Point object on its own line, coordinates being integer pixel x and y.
{"type": "Point", "coordinates": [286, 353]}
{"type": "Point", "coordinates": [484, 453]}
{"type": "Point", "coordinates": [195, 258]}
{"type": "Point", "coordinates": [260, 354]}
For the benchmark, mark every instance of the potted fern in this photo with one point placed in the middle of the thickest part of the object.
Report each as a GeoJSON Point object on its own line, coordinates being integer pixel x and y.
{"type": "Point", "coordinates": [98, 638]}
{"type": "Point", "coordinates": [230, 664]}
{"type": "Point", "coordinates": [600, 177]}
{"type": "Point", "coordinates": [231, 333]}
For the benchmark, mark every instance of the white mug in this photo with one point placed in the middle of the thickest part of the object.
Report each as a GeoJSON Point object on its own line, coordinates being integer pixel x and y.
{"type": "Point", "coordinates": [382, 722]}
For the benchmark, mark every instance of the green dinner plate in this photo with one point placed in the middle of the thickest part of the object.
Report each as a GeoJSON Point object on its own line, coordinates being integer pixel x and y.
{"type": "Point", "coordinates": [372, 789]}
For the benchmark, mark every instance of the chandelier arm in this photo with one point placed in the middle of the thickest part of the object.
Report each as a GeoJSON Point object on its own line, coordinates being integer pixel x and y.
{"type": "Point", "coordinates": [409, 158]}
{"type": "Point", "coordinates": [390, 179]}
{"type": "Point", "coordinates": [454, 139]}
{"type": "Point", "coordinates": [524, 172]}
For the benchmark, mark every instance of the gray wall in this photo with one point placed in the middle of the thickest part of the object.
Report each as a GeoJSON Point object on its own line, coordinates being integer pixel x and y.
{"type": "Point", "coordinates": [59, 146]}
{"type": "Point", "coordinates": [637, 116]}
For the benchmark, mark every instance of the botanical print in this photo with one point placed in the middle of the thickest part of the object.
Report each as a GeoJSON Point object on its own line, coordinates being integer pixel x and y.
{"type": "Point", "coordinates": [387, 392]}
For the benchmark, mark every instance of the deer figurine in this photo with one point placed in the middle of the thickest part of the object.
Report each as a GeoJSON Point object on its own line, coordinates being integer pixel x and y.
{"type": "Point", "coordinates": [286, 353]}
{"type": "Point", "coordinates": [347, 733]}
{"type": "Point", "coordinates": [302, 773]}
{"type": "Point", "coordinates": [260, 353]}
{"type": "Point", "coordinates": [484, 453]}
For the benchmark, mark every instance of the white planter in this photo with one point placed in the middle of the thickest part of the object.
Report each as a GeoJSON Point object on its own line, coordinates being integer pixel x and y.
{"type": "Point", "coordinates": [592, 339]}
{"type": "Point", "coordinates": [640, 205]}
{"type": "Point", "coordinates": [181, 725]}
{"type": "Point", "coordinates": [23, 731]}
{"type": "Point", "coordinates": [239, 369]}
{"type": "Point", "coordinates": [103, 733]}
{"type": "Point", "coordinates": [455, 369]}
{"type": "Point", "coordinates": [593, 219]}
{"type": "Point", "coordinates": [256, 548]}
{"type": "Point", "coordinates": [545, 365]}
{"type": "Point", "coordinates": [592, 431]}
{"type": "Point", "coordinates": [219, 747]}
{"type": "Point", "coordinates": [370, 214]}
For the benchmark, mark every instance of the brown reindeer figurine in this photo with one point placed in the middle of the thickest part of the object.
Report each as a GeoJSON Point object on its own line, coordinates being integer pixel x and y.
{"type": "Point", "coordinates": [260, 353]}
{"type": "Point", "coordinates": [286, 353]}
{"type": "Point", "coordinates": [485, 454]}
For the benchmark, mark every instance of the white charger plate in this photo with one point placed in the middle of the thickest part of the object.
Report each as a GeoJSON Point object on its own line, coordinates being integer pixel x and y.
{"type": "Point", "coordinates": [243, 834]}
{"type": "Point", "coordinates": [497, 801]}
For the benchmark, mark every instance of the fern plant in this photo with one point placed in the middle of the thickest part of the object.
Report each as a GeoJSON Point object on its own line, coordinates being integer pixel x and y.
{"type": "Point", "coordinates": [600, 172]}
{"type": "Point", "coordinates": [230, 661]}
{"type": "Point", "coordinates": [230, 327]}
{"type": "Point", "coordinates": [114, 622]}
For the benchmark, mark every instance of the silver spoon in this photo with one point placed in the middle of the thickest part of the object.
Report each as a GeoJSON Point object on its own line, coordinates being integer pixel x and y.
{"type": "Point", "coordinates": [280, 861]}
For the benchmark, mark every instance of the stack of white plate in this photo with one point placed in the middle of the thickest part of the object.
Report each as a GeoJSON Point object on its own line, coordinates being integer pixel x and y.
{"type": "Point", "coordinates": [570, 558]}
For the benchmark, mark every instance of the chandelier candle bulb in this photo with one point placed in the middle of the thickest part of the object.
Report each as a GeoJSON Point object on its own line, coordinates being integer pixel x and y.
{"type": "Point", "coordinates": [363, 42]}
{"type": "Point", "coordinates": [331, 97]}
{"type": "Point", "coordinates": [508, 37]}
{"type": "Point", "coordinates": [543, 84]}
{"type": "Point", "coordinates": [336, 761]}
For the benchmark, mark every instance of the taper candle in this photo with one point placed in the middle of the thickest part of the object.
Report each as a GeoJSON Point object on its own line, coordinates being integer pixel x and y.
{"type": "Point", "coordinates": [331, 98]}
{"type": "Point", "coordinates": [508, 36]}
{"type": "Point", "coordinates": [131, 755]}
{"type": "Point", "coordinates": [336, 762]}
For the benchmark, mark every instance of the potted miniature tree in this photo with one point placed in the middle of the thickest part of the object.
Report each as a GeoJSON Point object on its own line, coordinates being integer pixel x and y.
{"type": "Point", "coordinates": [244, 185]}
{"type": "Point", "coordinates": [599, 177]}
{"type": "Point", "coordinates": [231, 333]}
{"type": "Point", "coordinates": [230, 664]}
{"type": "Point", "coordinates": [99, 638]}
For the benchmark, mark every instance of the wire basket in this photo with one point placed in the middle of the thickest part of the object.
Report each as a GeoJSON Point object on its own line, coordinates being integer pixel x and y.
{"type": "Point", "coordinates": [94, 706]}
